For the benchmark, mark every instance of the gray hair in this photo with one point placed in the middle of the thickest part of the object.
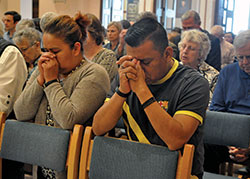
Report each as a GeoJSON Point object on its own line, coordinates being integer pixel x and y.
{"type": "Point", "coordinates": [197, 37]}
{"type": "Point", "coordinates": [46, 18]}
{"type": "Point", "coordinates": [24, 23]}
{"type": "Point", "coordinates": [30, 34]}
{"type": "Point", "coordinates": [242, 39]}
{"type": "Point", "coordinates": [146, 14]}
{"type": "Point", "coordinates": [191, 14]}
{"type": "Point", "coordinates": [1, 29]}
{"type": "Point", "coordinates": [116, 24]}
{"type": "Point", "coordinates": [217, 31]}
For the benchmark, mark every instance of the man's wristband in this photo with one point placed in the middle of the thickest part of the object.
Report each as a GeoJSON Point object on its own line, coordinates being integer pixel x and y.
{"type": "Point", "coordinates": [50, 82]}
{"type": "Point", "coordinates": [124, 95]}
{"type": "Point", "coordinates": [148, 102]}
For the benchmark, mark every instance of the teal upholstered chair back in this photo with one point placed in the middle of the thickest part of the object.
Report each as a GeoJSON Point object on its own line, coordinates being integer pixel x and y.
{"type": "Point", "coordinates": [123, 159]}
{"type": "Point", "coordinates": [35, 144]}
{"type": "Point", "coordinates": [227, 129]}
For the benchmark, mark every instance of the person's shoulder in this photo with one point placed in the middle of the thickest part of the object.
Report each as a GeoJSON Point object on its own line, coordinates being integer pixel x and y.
{"type": "Point", "coordinates": [92, 67]}
{"type": "Point", "coordinates": [211, 37]}
{"type": "Point", "coordinates": [108, 52]}
{"type": "Point", "coordinates": [229, 70]}
{"type": "Point", "coordinates": [107, 45]}
{"type": "Point", "coordinates": [227, 44]}
{"type": "Point", "coordinates": [188, 73]}
{"type": "Point", "coordinates": [96, 72]}
{"type": "Point", "coordinates": [105, 50]}
{"type": "Point", "coordinates": [5, 34]}
{"type": "Point", "coordinates": [208, 68]}
{"type": "Point", "coordinates": [12, 49]}
{"type": "Point", "coordinates": [230, 67]}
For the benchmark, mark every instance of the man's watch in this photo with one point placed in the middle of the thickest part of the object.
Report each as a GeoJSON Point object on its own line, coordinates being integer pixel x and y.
{"type": "Point", "coordinates": [50, 82]}
{"type": "Point", "coordinates": [124, 95]}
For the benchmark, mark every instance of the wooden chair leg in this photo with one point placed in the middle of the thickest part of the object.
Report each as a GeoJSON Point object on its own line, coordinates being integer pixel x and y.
{"type": "Point", "coordinates": [222, 168]}
{"type": "Point", "coordinates": [230, 168]}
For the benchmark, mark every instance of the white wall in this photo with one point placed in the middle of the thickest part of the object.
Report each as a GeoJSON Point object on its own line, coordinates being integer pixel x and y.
{"type": "Point", "coordinates": [70, 7]}
{"type": "Point", "coordinates": [206, 10]}
{"type": "Point", "coordinates": [26, 9]}
{"type": "Point", "coordinates": [9, 5]}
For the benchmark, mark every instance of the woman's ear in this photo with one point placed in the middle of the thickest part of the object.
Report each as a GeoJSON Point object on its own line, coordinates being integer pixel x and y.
{"type": "Point", "coordinates": [77, 48]}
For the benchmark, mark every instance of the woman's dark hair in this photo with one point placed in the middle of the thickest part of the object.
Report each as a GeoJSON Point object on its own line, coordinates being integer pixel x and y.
{"type": "Point", "coordinates": [95, 29]}
{"type": "Point", "coordinates": [70, 30]}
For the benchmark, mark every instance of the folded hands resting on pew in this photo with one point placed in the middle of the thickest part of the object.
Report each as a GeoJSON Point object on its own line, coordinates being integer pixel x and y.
{"type": "Point", "coordinates": [239, 154]}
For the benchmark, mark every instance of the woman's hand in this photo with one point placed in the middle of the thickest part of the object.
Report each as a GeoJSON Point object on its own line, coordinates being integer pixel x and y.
{"type": "Point", "coordinates": [48, 67]}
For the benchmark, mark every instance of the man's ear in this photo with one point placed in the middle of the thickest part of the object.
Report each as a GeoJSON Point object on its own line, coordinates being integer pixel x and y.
{"type": "Point", "coordinates": [168, 53]}
{"type": "Point", "coordinates": [77, 48]}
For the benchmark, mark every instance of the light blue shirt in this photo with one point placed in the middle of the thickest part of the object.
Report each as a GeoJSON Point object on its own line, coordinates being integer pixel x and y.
{"type": "Point", "coordinates": [6, 36]}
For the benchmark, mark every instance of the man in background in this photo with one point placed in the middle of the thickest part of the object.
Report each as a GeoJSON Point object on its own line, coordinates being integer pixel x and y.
{"type": "Point", "coordinates": [191, 20]}
{"type": "Point", "coordinates": [10, 20]}
{"type": "Point", "coordinates": [231, 94]}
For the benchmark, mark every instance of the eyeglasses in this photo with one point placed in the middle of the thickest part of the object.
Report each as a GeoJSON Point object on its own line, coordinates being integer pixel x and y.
{"type": "Point", "coordinates": [240, 58]}
{"type": "Point", "coordinates": [25, 49]}
{"type": "Point", "coordinates": [189, 47]}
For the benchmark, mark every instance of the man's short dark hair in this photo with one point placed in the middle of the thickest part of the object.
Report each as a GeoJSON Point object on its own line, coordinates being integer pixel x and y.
{"type": "Point", "coordinates": [16, 15]}
{"type": "Point", "coordinates": [147, 29]}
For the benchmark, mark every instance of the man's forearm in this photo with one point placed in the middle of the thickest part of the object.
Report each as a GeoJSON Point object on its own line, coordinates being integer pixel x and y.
{"type": "Point", "coordinates": [108, 115]}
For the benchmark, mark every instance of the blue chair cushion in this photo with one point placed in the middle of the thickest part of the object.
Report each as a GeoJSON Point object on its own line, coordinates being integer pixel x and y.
{"type": "Point", "coordinates": [228, 129]}
{"type": "Point", "coordinates": [35, 144]}
{"type": "Point", "coordinates": [114, 158]}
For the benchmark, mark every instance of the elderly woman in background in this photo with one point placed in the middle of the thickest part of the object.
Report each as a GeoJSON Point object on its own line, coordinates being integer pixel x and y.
{"type": "Point", "coordinates": [28, 41]}
{"type": "Point", "coordinates": [46, 17]}
{"type": "Point", "coordinates": [113, 32]}
{"type": "Point", "coordinates": [24, 23]}
{"type": "Point", "coordinates": [65, 89]}
{"type": "Point", "coordinates": [194, 48]}
{"type": "Point", "coordinates": [93, 49]}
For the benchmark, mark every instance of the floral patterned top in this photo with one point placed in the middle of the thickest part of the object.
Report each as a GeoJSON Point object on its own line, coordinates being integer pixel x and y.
{"type": "Point", "coordinates": [211, 74]}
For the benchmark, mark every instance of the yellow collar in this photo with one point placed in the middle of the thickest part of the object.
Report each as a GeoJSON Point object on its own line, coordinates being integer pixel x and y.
{"type": "Point", "coordinates": [169, 74]}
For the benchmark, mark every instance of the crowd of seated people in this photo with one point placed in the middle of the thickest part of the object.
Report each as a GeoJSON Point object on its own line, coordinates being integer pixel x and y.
{"type": "Point", "coordinates": [231, 94]}
{"type": "Point", "coordinates": [161, 90]}
{"type": "Point", "coordinates": [227, 49]}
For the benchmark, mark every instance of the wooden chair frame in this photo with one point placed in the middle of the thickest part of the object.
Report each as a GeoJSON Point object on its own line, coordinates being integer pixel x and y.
{"type": "Point", "coordinates": [184, 162]}
{"type": "Point", "coordinates": [74, 148]}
